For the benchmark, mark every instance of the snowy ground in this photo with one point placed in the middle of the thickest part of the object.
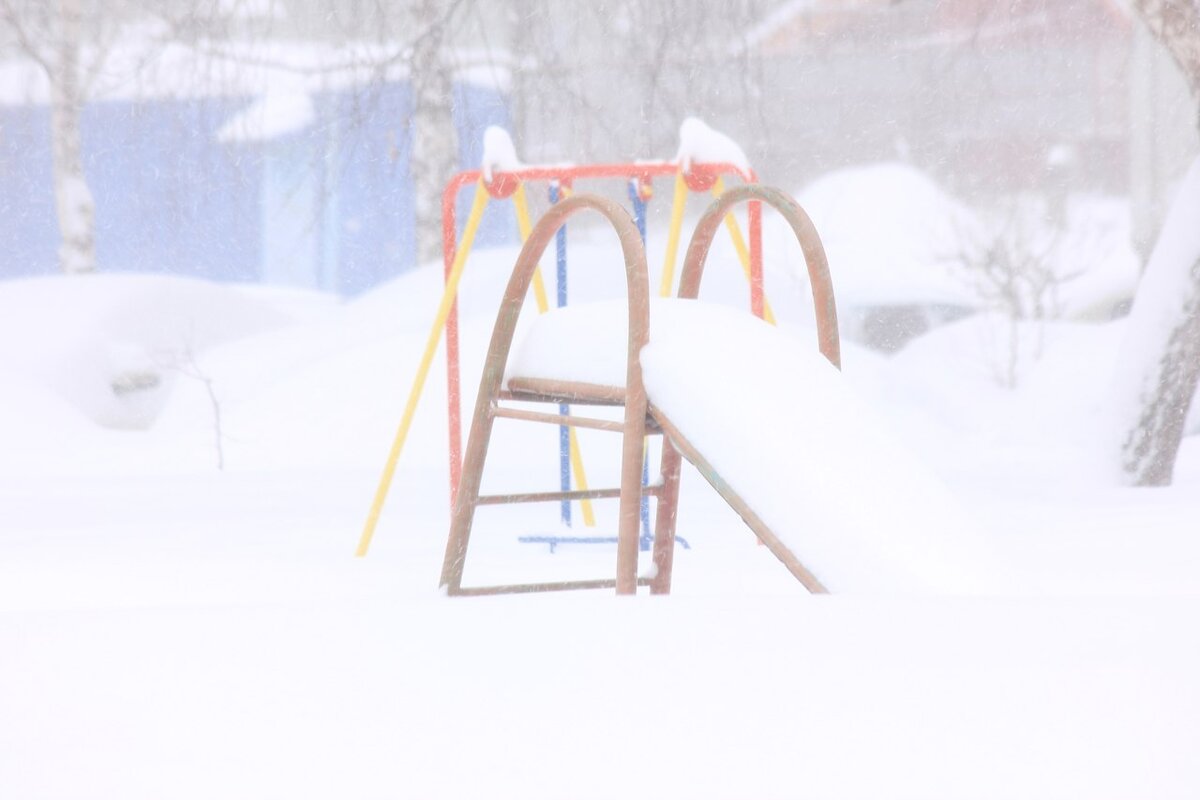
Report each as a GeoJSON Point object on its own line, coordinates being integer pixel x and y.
{"type": "Point", "coordinates": [171, 630]}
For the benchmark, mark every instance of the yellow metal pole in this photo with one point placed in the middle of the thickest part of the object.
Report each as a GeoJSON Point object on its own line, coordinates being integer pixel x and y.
{"type": "Point", "coordinates": [739, 244]}
{"type": "Point", "coordinates": [585, 505]}
{"type": "Point", "coordinates": [435, 335]}
{"type": "Point", "coordinates": [678, 204]}
{"type": "Point", "coordinates": [524, 227]}
{"type": "Point", "coordinates": [521, 203]}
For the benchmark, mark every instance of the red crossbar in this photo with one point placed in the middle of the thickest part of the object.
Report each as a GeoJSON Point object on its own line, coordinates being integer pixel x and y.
{"type": "Point", "coordinates": [699, 178]}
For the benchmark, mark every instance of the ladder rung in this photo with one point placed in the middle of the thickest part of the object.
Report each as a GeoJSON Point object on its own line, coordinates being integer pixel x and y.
{"type": "Point", "coordinates": [572, 392]}
{"type": "Point", "coordinates": [558, 419]}
{"type": "Point", "coordinates": [523, 588]}
{"type": "Point", "coordinates": [653, 490]}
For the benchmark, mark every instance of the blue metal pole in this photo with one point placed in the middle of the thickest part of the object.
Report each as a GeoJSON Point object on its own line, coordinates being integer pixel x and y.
{"type": "Point", "coordinates": [564, 433]}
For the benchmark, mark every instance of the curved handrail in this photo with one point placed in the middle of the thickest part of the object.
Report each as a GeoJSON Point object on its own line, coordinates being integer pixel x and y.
{"type": "Point", "coordinates": [700, 176]}
{"type": "Point", "coordinates": [810, 243]}
{"type": "Point", "coordinates": [493, 376]}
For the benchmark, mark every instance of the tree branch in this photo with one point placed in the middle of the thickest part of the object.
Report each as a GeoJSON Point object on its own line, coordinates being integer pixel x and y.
{"type": "Point", "coordinates": [24, 39]}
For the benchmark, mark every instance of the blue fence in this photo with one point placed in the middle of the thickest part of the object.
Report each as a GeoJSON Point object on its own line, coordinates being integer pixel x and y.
{"type": "Point", "coordinates": [330, 206]}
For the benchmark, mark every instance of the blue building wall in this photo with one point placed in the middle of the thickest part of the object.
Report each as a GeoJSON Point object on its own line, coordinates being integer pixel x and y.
{"type": "Point", "coordinates": [375, 235]}
{"type": "Point", "coordinates": [169, 197]}
{"type": "Point", "coordinates": [28, 230]}
{"type": "Point", "coordinates": [330, 206]}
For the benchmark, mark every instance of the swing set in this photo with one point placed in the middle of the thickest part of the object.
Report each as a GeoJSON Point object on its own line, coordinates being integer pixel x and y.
{"type": "Point", "coordinates": [511, 185]}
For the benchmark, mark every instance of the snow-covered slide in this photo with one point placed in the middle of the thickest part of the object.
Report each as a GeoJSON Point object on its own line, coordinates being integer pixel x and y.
{"type": "Point", "coordinates": [766, 419]}
{"type": "Point", "coordinates": [772, 425]}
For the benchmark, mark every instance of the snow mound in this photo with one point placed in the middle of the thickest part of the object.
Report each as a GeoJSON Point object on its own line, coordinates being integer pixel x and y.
{"type": "Point", "coordinates": [893, 236]}
{"type": "Point", "coordinates": [116, 344]}
{"type": "Point", "coordinates": [1092, 255]}
{"type": "Point", "coordinates": [700, 144]}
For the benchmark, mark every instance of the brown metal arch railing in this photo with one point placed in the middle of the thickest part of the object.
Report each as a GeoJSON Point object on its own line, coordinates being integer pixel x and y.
{"type": "Point", "coordinates": [810, 244]}
{"type": "Point", "coordinates": [493, 378]}
{"type": "Point", "coordinates": [827, 340]}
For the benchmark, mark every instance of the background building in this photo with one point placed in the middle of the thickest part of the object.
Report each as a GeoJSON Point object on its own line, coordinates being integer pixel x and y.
{"type": "Point", "coordinates": [273, 139]}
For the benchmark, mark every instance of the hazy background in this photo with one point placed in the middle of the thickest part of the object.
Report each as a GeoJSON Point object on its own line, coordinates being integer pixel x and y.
{"type": "Point", "coordinates": [991, 100]}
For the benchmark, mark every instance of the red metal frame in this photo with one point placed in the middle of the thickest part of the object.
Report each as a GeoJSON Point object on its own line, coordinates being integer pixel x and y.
{"type": "Point", "coordinates": [700, 178]}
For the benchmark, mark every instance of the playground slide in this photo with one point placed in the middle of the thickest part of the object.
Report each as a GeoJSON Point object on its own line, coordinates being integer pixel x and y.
{"type": "Point", "coordinates": [775, 429]}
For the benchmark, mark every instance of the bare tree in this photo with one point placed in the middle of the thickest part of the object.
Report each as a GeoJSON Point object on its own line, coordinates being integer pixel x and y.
{"type": "Point", "coordinates": [1014, 262]}
{"type": "Point", "coordinates": [51, 35]}
{"type": "Point", "coordinates": [1165, 381]}
{"type": "Point", "coordinates": [434, 143]}
{"type": "Point", "coordinates": [376, 36]}
{"type": "Point", "coordinates": [71, 41]}
{"type": "Point", "coordinates": [614, 80]}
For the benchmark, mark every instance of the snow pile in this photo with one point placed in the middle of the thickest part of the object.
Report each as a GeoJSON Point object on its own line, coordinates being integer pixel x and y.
{"type": "Point", "coordinates": [499, 153]}
{"type": "Point", "coordinates": [893, 237]}
{"type": "Point", "coordinates": [116, 344]}
{"type": "Point", "coordinates": [700, 144]}
{"type": "Point", "coordinates": [906, 256]}
{"type": "Point", "coordinates": [1094, 256]}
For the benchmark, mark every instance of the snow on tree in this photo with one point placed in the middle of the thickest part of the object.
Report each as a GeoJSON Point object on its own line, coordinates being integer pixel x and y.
{"type": "Point", "coordinates": [1160, 363]}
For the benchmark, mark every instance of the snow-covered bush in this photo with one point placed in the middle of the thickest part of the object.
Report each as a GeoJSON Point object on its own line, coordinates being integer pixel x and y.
{"type": "Point", "coordinates": [906, 256]}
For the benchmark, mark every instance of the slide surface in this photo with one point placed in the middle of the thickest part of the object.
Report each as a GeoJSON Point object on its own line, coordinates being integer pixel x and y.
{"type": "Point", "coordinates": [776, 430]}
